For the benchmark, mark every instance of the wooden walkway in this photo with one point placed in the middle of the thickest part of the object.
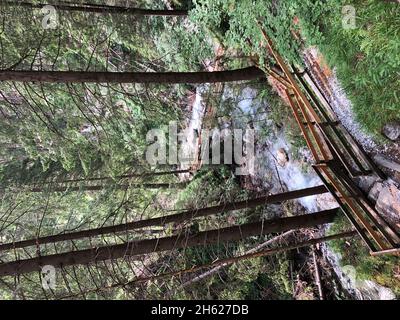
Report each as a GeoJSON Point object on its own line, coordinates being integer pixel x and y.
{"type": "Point", "coordinates": [338, 158]}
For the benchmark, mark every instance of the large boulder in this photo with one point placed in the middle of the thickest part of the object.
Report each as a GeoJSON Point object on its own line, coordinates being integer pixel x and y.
{"type": "Point", "coordinates": [376, 190]}
{"type": "Point", "coordinates": [386, 196]}
{"type": "Point", "coordinates": [392, 130]}
{"type": "Point", "coordinates": [387, 163]}
{"type": "Point", "coordinates": [326, 201]}
{"type": "Point", "coordinates": [366, 183]}
{"type": "Point", "coordinates": [388, 202]}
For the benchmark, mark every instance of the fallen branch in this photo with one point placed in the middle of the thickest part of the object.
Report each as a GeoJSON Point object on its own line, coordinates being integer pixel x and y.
{"type": "Point", "coordinates": [256, 249]}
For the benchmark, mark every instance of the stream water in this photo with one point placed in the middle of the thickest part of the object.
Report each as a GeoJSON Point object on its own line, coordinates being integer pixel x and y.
{"type": "Point", "coordinates": [252, 112]}
{"type": "Point", "coordinates": [297, 174]}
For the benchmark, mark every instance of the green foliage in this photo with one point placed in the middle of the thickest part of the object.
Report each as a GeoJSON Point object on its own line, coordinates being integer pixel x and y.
{"type": "Point", "coordinates": [236, 22]}
{"type": "Point", "coordinates": [184, 51]}
{"type": "Point", "coordinates": [55, 132]}
{"type": "Point", "coordinates": [83, 129]}
{"type": "Point", "coordinates": [209, 186]}
{"type": "Point", "coordinates": [255, 279]}
{"type": "Point", "coordinates": [366, 59]}
{"type": "Point", "coordinates": [61, 131]}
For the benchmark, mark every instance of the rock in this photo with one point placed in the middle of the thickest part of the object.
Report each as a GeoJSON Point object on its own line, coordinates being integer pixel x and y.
{"type": "Point", "coordinates": [282, 157]}
{"type": "Point", "coordinates": [387, 197]}
{"type": "Point", "coordinates": [387, 163]}
{"type": "Point", "coordinates": [392, 130]}
{"type": "Point", "coordinates": [358, 288]}
{"type": "Point", "coordinates": [366, 182]}
{"type": "Point", "coordinates": [375, 190]}
{"type": "Point", "coordinates": [388, 202]}
{"type": "Point", "coordinates": [326, 201]}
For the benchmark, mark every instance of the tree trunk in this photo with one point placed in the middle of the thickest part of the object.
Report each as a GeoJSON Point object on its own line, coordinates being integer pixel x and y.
{"type": "Point", "coordinates": [180, 185]}
{"type": "Point", "coordinates": [135, 248]}
{"type": "Point", "coordinates": [246, 256]}
{"type": "Point", "coordinates": [101, 9]}
{"type": "Point", "coordinates": [125, 176]}
{"type": "Point", "coordinates": [216, 264]}
{"type": "Point", "coordinates": [249, 73]}
{"type": "Point", "coordinates": [174, 218]}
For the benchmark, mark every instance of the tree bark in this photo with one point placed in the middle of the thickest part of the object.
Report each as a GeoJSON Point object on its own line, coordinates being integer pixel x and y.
{"type": "Point", "coordinates": [246, 256]}
{"type": "Point", "coordinates": [174, 218]}
{"type": "Point", "coordinates": [249, 73]}
{"type": "Point", "coordinates": [179, 185]}
{"type": "Point", "coordinates": [125, 176]}
{"type": "Point", "coordinates": [101, 9]}
{"type": "Point", "coordinates": [227, 261]}
{"type": "Point", "coordinates": [135, 248]}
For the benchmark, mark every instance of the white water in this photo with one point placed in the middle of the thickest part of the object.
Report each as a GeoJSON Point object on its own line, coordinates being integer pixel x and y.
{"type": "Point", "coordinates": [292, 176]}
{"type": "Point", "coordinates": [359, 289]}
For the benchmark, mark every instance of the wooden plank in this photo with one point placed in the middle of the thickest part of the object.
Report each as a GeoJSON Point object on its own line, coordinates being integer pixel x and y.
{"type": "Point", "coordinates": [394, 251]}
{"type": "Point", "coordinates": [325, 104]}
{"type": "Point", "coordinates": [350, 151]}
{"type": "Point", "coordinates": [339, 150]}
{"type": "Point", "coordinates": [315, 95]}
{"type": "Point", "coordinates": [340, 155]}
{"type": "Point", "coordinates": [289, 76]}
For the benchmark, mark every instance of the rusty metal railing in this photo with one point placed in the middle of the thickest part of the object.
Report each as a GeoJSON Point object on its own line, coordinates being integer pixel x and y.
{"type": "Point", "coordinates": [338, 158]}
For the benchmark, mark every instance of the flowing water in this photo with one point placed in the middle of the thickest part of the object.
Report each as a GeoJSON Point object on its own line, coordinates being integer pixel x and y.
{"type": "Point", "coordinates": [294, 175]}
{"type": "Point", "coordinates": [252, 112]}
